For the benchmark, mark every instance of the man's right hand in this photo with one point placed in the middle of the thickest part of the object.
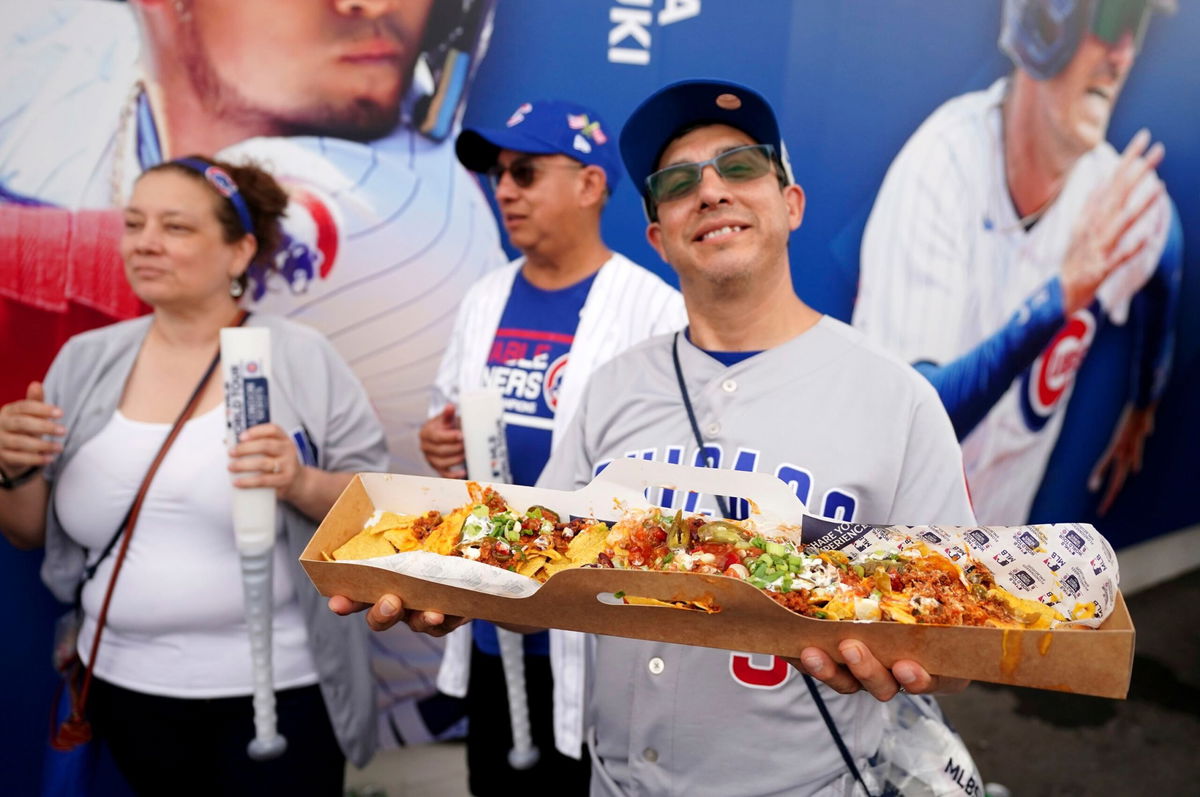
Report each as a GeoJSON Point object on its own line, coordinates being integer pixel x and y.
{"type": "Point", "coordinates": [24, 425]}
{"type": "Point", "coordinates": [1107, 216]}
{"type": "Point", "coordinates": [442, 444]}
{"type": "Point", "coordinates": [390, 610]}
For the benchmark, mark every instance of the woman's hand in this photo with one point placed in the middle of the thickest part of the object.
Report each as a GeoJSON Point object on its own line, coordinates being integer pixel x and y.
{"type": "Point", "coordinates": [24, 425]}
{"type": "Point", "coordinates": [269, 458]}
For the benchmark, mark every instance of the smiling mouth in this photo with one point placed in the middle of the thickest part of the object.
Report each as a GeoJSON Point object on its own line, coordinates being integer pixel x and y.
{"type": "Point", "coordinates": [1101, 93]}
{"type": "Point", "coordinates": [720, 232]}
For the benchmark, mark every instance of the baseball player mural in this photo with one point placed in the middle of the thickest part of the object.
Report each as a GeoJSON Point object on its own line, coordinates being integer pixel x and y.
{"type": "Point", "coordinates": [758, 381]}
{"type": "Point", "coordinates": [1008, 231]}
{"type": "Point", "coordinates": [352, 104]}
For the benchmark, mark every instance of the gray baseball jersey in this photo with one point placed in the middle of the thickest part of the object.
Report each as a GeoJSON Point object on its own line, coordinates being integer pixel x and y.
{"type": "Point", "coordinates": [860, 436]}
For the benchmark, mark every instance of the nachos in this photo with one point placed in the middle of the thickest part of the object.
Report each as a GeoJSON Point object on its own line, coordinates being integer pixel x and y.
{"type": "Point", "coordinates": [905, 582]}
{"type": "Point", "coordinates": [534, 542]}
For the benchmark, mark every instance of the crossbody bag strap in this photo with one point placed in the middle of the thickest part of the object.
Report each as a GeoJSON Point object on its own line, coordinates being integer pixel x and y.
{"type": "Point", "coordinates": [75, 728]}
{"type": "Point", "coordinates": [812, 687]}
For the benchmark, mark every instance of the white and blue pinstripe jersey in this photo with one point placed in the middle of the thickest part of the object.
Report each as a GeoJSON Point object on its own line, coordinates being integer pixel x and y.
{"type": "Point", "coordinates": [946, 262]}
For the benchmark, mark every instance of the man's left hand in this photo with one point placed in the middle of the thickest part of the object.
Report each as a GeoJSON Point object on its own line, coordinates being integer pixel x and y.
{"type": "Point", "coordinates": [863, 671]}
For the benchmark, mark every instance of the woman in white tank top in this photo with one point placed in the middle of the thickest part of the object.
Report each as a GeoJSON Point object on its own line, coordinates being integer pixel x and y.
{"type": "Point", "coordinates": [173, 677]}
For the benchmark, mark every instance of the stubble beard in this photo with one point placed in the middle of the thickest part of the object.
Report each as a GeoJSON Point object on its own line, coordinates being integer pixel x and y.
{"type": "Point", "coordinates": [356, 120]}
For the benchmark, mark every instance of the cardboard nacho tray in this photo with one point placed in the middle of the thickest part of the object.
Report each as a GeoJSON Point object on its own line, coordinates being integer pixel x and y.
{"type": "Point", "coordinates": [1069, 565]}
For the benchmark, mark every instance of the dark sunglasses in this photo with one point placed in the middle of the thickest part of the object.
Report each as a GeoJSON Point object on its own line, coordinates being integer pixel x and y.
{"type": "Point", "coordinates": [1112, 19]}
{"type": "Point", "coordinates": [524, 171]}
{"type": "Point", "coordinates": [737, 165]}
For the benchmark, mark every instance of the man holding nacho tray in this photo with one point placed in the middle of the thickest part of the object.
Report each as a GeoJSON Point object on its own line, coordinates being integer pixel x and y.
{"type": "Point", "coordinates": [758, 381]}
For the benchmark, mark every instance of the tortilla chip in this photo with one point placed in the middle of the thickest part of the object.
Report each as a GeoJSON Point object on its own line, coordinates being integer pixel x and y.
{"type": "Point", "coordinates": [1030, 613]}
{"type": "Point", "coordinates": [693, 606]}
{"type": "Point", "coordinates": [897, 609]}
{"type": "Point", "coordinates": [534, 562]}
{"type": "Point", "coordinates": [445, 537]}
{"type": "Point", "coordinates": [583, 549]}
{"type": "Point", "coordinates": [403, 539]}
{"type": "Point", "coordinates": [391, 520]}
{"type": "Point", "coordinates": [364, 545]}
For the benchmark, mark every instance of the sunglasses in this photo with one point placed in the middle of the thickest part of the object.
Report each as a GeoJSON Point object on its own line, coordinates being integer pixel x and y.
{"type": "Point", "coordinates": [1112, 19]}
{"type": "Point", "coordinates": [737, 165]}
{"type": "Point", "coordinates": [524, 171]}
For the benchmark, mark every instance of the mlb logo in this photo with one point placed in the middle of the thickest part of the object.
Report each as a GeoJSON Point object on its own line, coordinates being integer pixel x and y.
{"type": "Point", "coordinates": [955, 552]}
{"type": "Point", "coordinates": [1047, 598]}
{"type": "Point", "coordinates": [1054, 562]}
{"type": "Point", "coordinates": [1003, 558]}
{"type": "Point", "coordinates": [861, 544]}
{"type": "Point", "coordinates": [1098, 565]}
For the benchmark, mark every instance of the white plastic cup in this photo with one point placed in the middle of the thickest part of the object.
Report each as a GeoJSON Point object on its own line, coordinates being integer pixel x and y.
{"type": "Point", "coordinates": [246, 372]}
{"type": "Point", "coordinates": [481, 413]}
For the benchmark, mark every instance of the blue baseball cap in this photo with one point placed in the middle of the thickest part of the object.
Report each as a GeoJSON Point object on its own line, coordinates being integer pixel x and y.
{"type": "Point", "coordinates": [688, 103]}
{"type": "Point", "coordinates": [543, 127]}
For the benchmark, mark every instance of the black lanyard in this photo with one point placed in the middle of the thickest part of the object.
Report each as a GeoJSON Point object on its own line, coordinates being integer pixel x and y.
{"type": "Point", "coordinates": [687, 405]}
{"type": "Point", "coordinates": [812, 686]}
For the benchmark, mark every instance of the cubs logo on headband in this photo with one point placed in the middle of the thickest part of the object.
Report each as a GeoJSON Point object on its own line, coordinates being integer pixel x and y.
{"type": "Point", "coordinates": [221, 181]}
{"type": "Point", "coordinates": [224, 185]}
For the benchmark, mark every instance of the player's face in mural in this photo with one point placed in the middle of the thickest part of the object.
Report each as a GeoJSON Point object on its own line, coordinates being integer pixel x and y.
{"type": "Point", "coordinates": [330, 67]}
{"type": "Point", "coordinates": [173, 245]}
{"type": "Point", "coordinates": [538, 215]}
{"type": "Point", "coordinates": [724, 232]}
{"type": "Point", "coordinates": [1080, 99]}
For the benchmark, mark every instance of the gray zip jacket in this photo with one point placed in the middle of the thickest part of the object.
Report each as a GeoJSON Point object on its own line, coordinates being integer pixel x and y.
{"type": "Point", "coordinates": [312, 390]}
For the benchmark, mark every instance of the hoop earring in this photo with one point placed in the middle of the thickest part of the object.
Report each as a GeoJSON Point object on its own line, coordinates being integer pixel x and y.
{"type": "Point", "coordinates": [236, 289]}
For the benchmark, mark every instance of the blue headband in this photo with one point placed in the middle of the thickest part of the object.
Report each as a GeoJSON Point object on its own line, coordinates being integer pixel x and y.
{"type": "Point", "coordinates": [219, 179]}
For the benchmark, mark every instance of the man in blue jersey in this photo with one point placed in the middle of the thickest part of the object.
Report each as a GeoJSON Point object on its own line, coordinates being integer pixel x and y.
{"type": "Point", "coordinates": [534, 332]}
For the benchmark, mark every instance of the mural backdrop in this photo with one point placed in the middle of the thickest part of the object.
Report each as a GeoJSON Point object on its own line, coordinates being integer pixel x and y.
{"type": "Point", "coordinates": [387, 231]}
